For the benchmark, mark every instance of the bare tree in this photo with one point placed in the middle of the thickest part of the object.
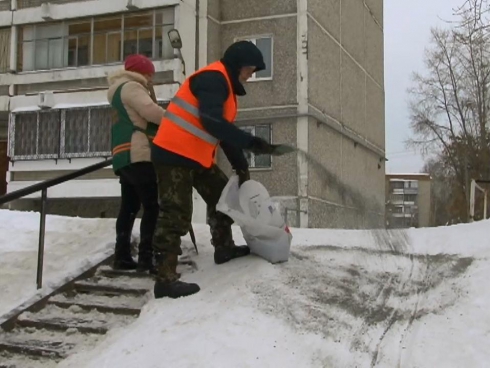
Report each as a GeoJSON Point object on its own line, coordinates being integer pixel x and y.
{"type": "Point", "coordinates": [450, 102]}
{"type": "Point", "coordinates": [441, 190]}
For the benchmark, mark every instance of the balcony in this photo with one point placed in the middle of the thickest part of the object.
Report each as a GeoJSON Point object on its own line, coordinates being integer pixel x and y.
{"type": "Point", "coordinates": [95, 41]}
{"type": "Point", "coordinates": [411, 191]}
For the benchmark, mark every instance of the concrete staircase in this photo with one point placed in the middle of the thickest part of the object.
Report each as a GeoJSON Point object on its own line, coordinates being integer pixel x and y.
{"type": "Point", "coordinates": [76, 317]}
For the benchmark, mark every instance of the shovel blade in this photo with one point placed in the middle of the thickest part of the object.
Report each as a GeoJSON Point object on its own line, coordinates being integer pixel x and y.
{"type": "Point", "coordinates": [283, 149]}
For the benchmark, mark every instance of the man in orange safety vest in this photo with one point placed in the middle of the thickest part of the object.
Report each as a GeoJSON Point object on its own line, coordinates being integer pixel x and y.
{"type": "Point", "coordinates": [200, 118]}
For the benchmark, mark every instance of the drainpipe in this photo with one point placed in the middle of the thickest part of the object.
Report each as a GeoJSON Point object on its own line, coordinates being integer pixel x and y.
{"type": "Point", "coordinates": [196, 66]}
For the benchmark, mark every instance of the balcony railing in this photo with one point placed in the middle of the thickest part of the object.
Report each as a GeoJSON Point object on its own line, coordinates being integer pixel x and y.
{"type": "Point", "coordinates": [62, 133]}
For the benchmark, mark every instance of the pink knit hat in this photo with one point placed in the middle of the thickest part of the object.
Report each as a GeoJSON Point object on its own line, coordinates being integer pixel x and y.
{"type": "Point", "coordinates": [139, 64]}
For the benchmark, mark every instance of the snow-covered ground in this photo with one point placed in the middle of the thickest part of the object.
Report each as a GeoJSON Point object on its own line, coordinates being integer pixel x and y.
{"type": "Point", "coordinates": [71, 246]}
{"type": "Point", "coordinates": [345, 299]}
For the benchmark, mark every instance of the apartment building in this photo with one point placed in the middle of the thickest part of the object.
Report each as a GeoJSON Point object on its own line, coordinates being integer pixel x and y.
{"type": "Point", "coordinates": [408, 201]}
{"type": "Point", "coordinates": [322, 91]}
{"type": "Point", "coordinates": [54, 85]}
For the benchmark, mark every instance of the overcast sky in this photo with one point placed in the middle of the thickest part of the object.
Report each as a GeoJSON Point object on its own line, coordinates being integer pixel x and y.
{"type": "Point", "coordinates": [407, 26]}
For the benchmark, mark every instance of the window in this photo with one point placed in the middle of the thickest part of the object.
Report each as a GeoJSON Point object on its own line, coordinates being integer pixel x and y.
{"type": "Point", "coordinates": [397, 197]}
{"type": "Point", "coordinates": [79, 43]}
{"type": "Point", "coordinates": [412, 184]}
{"type": "Point", "coordinates": [5, 5]}
{"type": "Point", "coordinates": [409, 197]}
{"type": "Point", "coordinates": [95, 41]}
{"type": "Point", "coordinates": [36, 135]}
{"type": "Point", "coordinates": [264, 44]}
{"type": "Point", "coordinates": [397, 209]}
{"type": "Point", "coordinates": [264, 132]}
{"type": "Point", "coordinates": [4, 50]}
{"type": "Point", "coordinates": [86, 132]}
{"type": "Point", "coordinates": [396, 184]}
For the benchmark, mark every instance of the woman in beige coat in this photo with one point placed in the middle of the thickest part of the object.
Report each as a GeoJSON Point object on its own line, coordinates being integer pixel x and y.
{"type": "Point", "coordinates": [138, 119]}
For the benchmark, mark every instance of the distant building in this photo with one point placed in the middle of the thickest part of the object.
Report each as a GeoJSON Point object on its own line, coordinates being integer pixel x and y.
{"type": "Point", "coordinates": [408, 201]}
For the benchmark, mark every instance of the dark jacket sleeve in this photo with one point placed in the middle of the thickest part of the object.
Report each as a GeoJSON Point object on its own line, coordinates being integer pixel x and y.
{"type": "Point", "coordinates": [235, 156]}
{"type": "Point", "coordinates": [211, 90]}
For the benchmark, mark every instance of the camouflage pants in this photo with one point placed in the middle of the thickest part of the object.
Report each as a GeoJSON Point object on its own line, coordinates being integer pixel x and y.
{"type": "Point", "coordinates": [175, 199]}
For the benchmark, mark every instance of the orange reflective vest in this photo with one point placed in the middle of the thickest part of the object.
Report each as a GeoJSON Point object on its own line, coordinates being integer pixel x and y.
{"type": "Point", "coordinates": [181, 131]}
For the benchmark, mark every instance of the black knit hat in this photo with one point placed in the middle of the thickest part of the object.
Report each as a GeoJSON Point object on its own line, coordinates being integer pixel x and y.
{"type": "Point", "coordinates": [243, 53]}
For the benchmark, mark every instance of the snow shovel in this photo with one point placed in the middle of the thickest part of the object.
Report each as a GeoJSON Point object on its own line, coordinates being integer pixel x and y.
{"type": "Point", "coordinates": [193, 238]}
{"type": "Point", "coordinates": [282, 149]}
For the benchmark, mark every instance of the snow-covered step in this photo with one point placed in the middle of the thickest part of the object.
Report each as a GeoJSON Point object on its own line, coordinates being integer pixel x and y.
{"type": "Point", "coordinates": [112, 273]}
{"type": "Point", "coordinates": [54, 350]}
{"type": "Point", "coordinates": [87, 321]}
{"type": "Point", "coordinates": [55, 345]}
{"type": "Point", "coordinates": [185, 265]}
{"type": "Point", "coordinates": [123, 281]}
{"type": "Point", "coordinates": [109, 288]}
{"type": "Point", "coordinates": [76, 318]}
{"type": "Point", "coordinates": [64, 324]}
{"type": "Point", "coordinates": [19, 360]}
{"type": "Point", "coordinates": [120, 304]}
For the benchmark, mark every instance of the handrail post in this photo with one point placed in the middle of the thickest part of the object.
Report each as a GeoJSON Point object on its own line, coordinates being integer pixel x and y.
{"type": "Point", "coordinates": [485, 206]}
{"type": "Point", "coordinates": [42, 230]}
{"type": "Point", "coordinates": [472, 200]}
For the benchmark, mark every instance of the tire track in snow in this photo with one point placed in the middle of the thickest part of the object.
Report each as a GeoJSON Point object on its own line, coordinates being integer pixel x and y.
{"type": "Point", "coordinates": [340, 292]}
{"type": "Point", "coordinates": [414, 312]}
{"type": "Point", "coordinates": [394, 316]}
{"type": "Point", "coordinates": [455, 266]}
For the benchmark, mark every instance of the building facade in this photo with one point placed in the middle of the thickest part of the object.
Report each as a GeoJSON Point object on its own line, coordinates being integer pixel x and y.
{"type": "Point", "coordinates": [323, 91]}
{"type": "Point", "coordinates": [408, 201]}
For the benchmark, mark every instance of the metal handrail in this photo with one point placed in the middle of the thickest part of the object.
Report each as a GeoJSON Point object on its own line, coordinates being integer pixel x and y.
{"type": "Point", "coordinates": [43, 187]}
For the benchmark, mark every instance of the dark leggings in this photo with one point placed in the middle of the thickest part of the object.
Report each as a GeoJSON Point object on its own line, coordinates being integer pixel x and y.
{"type": "Point", "coordinates": [138, 188]}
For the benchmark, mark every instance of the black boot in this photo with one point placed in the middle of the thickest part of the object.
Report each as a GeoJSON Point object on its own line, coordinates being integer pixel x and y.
{"type": "Point", "coordinates": [167, 284]}
{"type": "Point", "coordinates": [222, 238]}
{"type": "Point", "coordinates": [122, 255]}
{"type": "Point", "coordinates": [174, 289]}
{"type": "Point", "coordinates": [124, 261]}
{"type": "Point", "coordinates": [225, 254]}
{"type": "Point", "coordinates": [145, 263]}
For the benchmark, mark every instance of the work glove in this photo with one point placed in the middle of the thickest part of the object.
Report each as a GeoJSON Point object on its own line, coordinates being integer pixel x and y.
{"type": "Point", "coordinates": [260, 147]}
{"type": "Point", "coordinates": [243, 176]}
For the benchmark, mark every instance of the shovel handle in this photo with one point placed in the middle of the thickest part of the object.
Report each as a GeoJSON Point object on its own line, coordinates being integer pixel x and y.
{"type": "Point", "coordinates": [152, 93]}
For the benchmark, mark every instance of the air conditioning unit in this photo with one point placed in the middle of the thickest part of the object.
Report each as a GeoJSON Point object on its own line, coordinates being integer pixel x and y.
{"type": "Point", "coordinates": [45, 100]}
{"type": "Point", "coordinates": [46, 11]}
{"type": "Point", "coordinates": [131, 5]}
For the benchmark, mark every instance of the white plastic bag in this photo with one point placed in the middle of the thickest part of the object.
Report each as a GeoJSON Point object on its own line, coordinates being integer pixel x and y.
{"type": "Point", "coordinates": [262, 225]}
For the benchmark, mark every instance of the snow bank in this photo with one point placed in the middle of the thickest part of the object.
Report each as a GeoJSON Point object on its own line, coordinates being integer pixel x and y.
{"type": "Point", "coordinates": [71, 246]}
